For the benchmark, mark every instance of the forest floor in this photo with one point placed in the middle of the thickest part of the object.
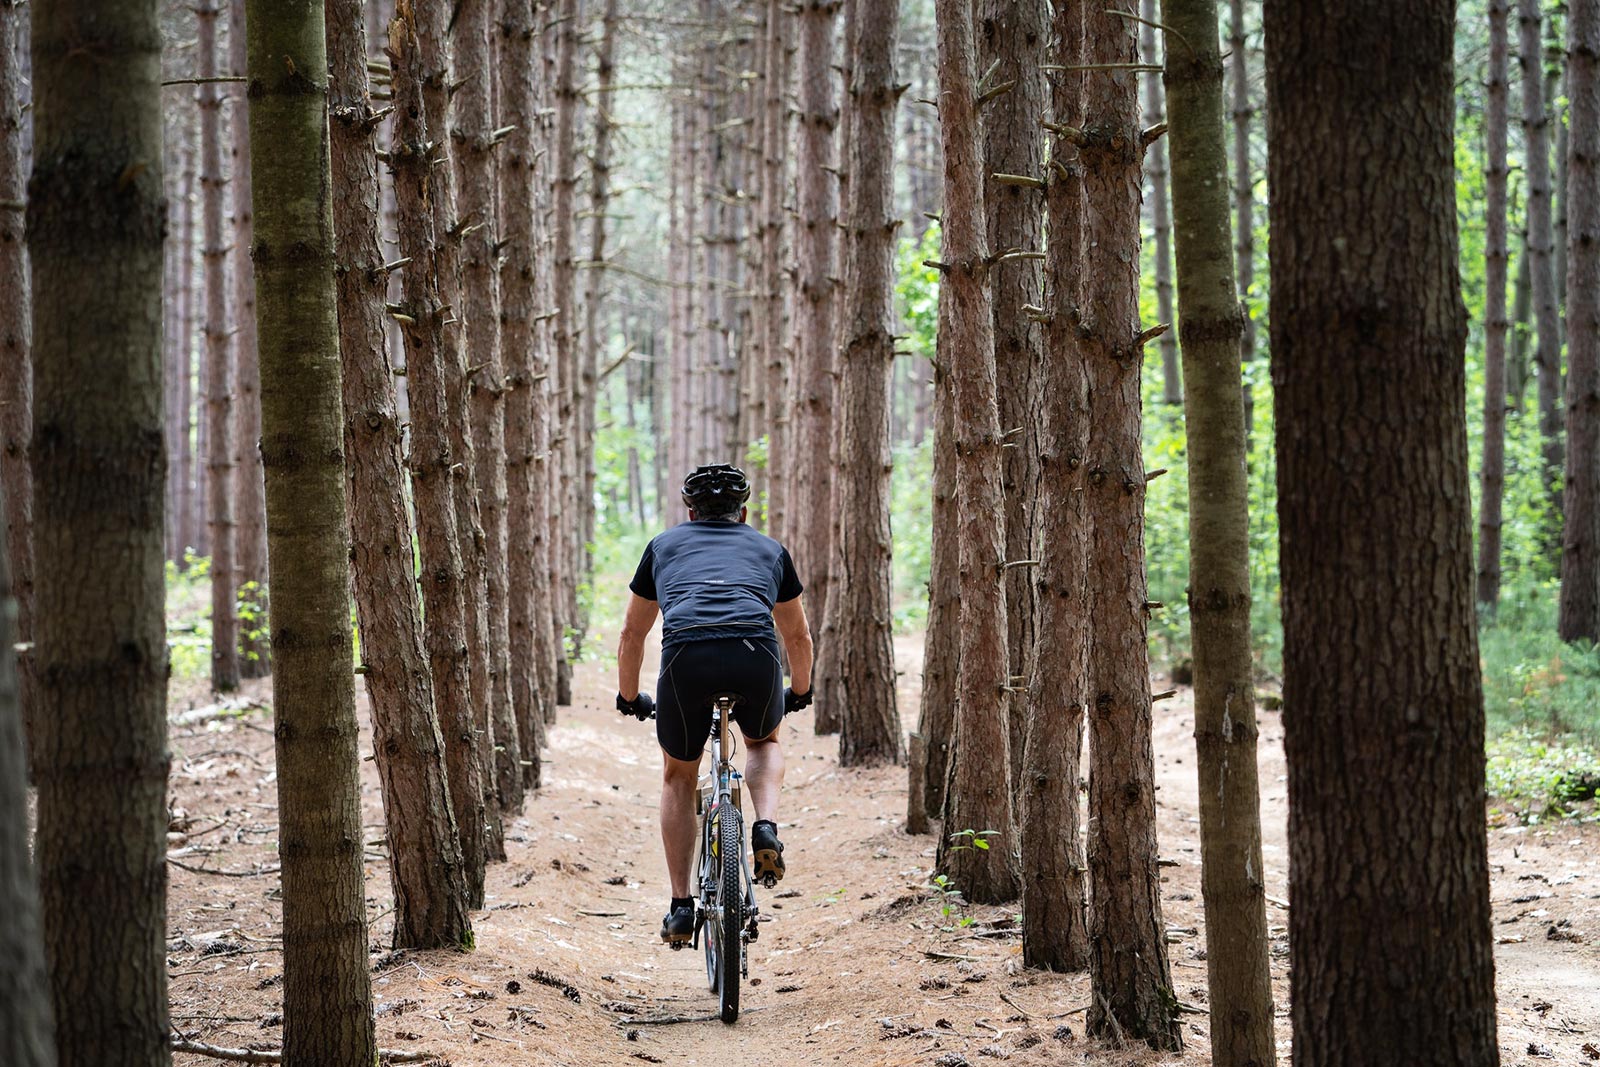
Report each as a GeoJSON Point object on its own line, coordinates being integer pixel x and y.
{"type": "Point", "coordinates": [857, 965]}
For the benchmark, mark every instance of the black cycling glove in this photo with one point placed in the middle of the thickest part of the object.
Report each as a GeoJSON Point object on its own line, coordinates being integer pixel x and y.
{"type": "Point", "coordinates": [793, 702]}
{"type": "Point", "coordinates": [640, 707]}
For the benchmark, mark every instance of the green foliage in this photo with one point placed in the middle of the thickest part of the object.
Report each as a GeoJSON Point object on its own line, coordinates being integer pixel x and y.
{"type": "Point", "coordinates": [252, 612]}
{"type": "Point", "coordinates": [978, 839]}
{"type": "Point", "coordinates": [911, 507]}
{"type": "Point", "coordinates": [1537, 779]}
{"type": "Point", "coordinates": [916, 291]}
{"type": "Point", "coordinates": [950, 902]}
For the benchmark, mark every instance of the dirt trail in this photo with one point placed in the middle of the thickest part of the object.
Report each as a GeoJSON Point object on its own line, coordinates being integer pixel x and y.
{"type": "Point", "coordinates": [842, 971]}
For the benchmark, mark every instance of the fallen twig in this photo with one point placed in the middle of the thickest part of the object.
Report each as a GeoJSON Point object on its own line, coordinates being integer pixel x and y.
{"type": "Point", "coordinates": [665, 1020]}
{"type": "Point", "coordinates": [225, 873]}
{"type": "Point", "coordinates": [252, 1055]}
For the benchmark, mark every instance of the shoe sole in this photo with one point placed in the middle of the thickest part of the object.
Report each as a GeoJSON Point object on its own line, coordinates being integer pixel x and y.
{"type": "Point", "coordinates": [677, 939]}
{"type": "Point", "coordinates": [769, 864]}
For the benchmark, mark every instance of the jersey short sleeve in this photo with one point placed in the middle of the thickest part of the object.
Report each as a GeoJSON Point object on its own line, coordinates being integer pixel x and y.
{"type": "Point", "coordinates": [644, 579]}
{"type": "Point", "coordinates": [789, 585]}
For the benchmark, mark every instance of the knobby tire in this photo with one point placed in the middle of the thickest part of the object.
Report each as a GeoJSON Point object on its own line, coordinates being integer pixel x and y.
{"type": "Point", "coordinates": [730, 894]}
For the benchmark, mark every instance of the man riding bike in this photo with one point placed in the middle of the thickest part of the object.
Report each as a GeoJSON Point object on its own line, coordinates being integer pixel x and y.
{"type": "Point", "coordinates": [720, 587]}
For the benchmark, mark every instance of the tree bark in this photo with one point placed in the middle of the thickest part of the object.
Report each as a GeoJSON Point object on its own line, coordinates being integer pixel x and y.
{"type": "Point", "coordinates": [941, 648]}
{"type": "Point", "coordinates": [1393, 891]}
{"type": "Point", "coordinates": [568, 524]}
{"type": "Point", "coordinates": [95, 219]}
{"type": "Point", "coordinates": [472, 142]}
{"type": "Point", "coordinates": [594, 288]}
{"type": "Point", "coordinates": [250, 544]}
{"type": "Point", "coordinates": [1014, 36]}
{"type": "Point", "coordinates": [431, 359]}
{"type": "Point", "coordinates": [778, 422]}
{"type": "Point", "coordinates": [1244, 178]}
{"type": "Point", "coordinates": [1129, 975]}
{"type": "Point", "coordinates": [978, 849]}
{"type": "Point", "coordinates": [1055, 932]}
{"type": "Point", "coordinates": [1495, 322]}
{"type": "Point", "coordinates": [1555, 88]}
{"type": "Point", "coordinates": [16, 370]}
{"type": "Point", "coordinates": [812, 405]}
{"type": "Point", "coordinates": [1546, 315]}
{"type": "Point", "coordinates": [1580, 550]}
{"type": "Point", "coordinates": [1521, 328]}
{"type": "Point", "coordinates": [327, 990]}
{"type": "Point", "coordinates": [1156, 52]}
{"type": "Point", "coordinates": [27, 1030]}
{"type": "Point", "coordinates": [188, 492]}
{"type": "Point", "coordinates": [863, 645]}
{"type": "Point", "coordinates": [429, 880]}
{"type": "Point", "coordinates": [1210, 320]}
{"type": "Point", "coordinates": [532, 654]}
{"type": "Point", "coordinates": [432, 20]}
{"type": "Point", "coordinates": [220, 464]}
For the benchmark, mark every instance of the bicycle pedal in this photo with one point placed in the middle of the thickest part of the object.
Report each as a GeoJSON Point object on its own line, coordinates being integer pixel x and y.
{"type": "Point", "coordinates": [769, 880]}
{"type": "Point", "coordinates": [678, 946]}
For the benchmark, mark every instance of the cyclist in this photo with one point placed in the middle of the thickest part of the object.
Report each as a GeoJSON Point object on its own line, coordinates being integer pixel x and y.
{"type": "Point", "coordinates": [722, 589]}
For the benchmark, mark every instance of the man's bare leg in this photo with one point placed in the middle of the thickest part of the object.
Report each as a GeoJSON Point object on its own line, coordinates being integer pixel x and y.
{"type": "Point", "coordinates": [763, 774]}
{"type": "Point", "coordinates": [678, 821]}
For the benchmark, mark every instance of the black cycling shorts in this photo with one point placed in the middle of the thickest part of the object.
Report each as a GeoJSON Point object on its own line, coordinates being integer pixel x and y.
{"type": "Point", "coordinates": [695, 672]}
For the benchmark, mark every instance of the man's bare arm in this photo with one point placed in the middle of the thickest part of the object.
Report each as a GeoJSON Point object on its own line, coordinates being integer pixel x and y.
{"type": "Point", "coordinates": [790, 617]}
{"type": "Point", "coordinates": [636, 623]}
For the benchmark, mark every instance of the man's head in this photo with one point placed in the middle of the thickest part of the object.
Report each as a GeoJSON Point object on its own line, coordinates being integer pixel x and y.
{"type": "Point", "coordinates": [716, 491]}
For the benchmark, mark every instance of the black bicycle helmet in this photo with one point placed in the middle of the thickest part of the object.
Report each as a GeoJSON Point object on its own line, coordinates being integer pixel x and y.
{"type": "Point", "coordinates": [716, 489]}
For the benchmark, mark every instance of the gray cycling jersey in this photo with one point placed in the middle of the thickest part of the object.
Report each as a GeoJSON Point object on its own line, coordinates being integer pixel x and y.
{"type": "Point", "coordinates": [715, 578]}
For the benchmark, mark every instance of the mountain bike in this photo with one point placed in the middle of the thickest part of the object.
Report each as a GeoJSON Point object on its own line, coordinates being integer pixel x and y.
{"type": "Point", "coordinates": [726, 915]}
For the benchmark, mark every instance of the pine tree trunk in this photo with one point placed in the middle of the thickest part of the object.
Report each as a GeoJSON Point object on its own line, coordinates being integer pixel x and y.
{"type": "Point", "coordinates": [978, 796]}
{"type": "Point", "coordinates": [1547, 318]}
{"type": "Point", "coordinates": [16, 372]}
{"type": "Point", "coordinates": [1580, 549]}
{"type": "Point", "coordinates": [472, 144]}
{"type": "Point", "coordinates": [1054, 931]}
{"type": "Point", "coordinates": [778, 423]}
{"type": "Point", "coordinates": [429, 881]}
{"type": "Point", "coordinates": [595, 279]}
{"type": "Point", "coordinates": [1555, 89]}
{"type": "Point", "coordinates": [219, 367]}
{"type": "Point", "coordinates": [1521, 328]}
{"type": "Point", "coordinates": [1155, 166]}
{"type": "Point", "coordinates": [432, 20]}
{"type": "Point", "coordinates": [864, 640]}
{"type": "Point", "coordinates": [1232, 874]}
{"type": "Point", "coordinates": [1129, 975]}
{"type": "Point", "coordinates": [171, 307]}
{"type": "Point", "coordinates": [1244, 222]}
{"type": "Point", "coordinates": [1495, 321]}
{"type": "Point", "coordinates": [811, 497]}
{"type": "Point", "coordinates": [431, 360]}
{"type": "Point", "coordinates": [185, 456]}
{"type": "Point", "coordinates": [327, 989]}
{"type": "Point", "coordinates": [532, 655]}
{"type": "Point", "coordinates": [1014, 36]}
{"type": "Point", "coordinates": [828, 677]}
{"type": "Point", "coordinates": [567, 519]}
{"type": "Point", "coordinates": [95, 219]}
{"type": "Point", "coordinates": [940, 651]}
{"type": "Point", "coordinates": [27, 1031]}
{"type": "Point", "coordinates": [250, 544]}
{"type": "Point", "coordinates": [1393, 891]}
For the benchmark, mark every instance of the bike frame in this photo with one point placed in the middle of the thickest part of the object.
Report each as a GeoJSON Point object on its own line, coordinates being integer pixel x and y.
{"type": "Point", "coordinates": [724, 777]}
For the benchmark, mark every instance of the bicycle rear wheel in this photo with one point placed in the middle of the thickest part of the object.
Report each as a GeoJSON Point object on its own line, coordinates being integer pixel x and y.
{"type": "Point", "coordinates": [711, 882]}
{"type": "Point", "coordinates": [730, 893]}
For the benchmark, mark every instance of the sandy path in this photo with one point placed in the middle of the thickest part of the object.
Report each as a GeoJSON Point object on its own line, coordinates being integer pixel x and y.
{"type": "Point", "coordinates": [840, 973]}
